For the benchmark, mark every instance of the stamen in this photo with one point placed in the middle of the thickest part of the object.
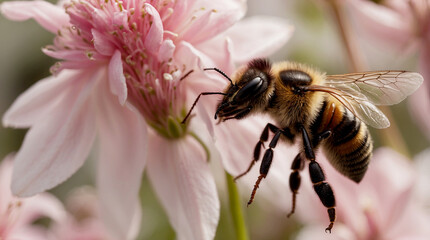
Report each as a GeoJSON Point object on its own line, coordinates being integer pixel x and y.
{"type": "Point", "coordinates": [167, 77]}
{"type": "Point", "coordinates": [169, 13]}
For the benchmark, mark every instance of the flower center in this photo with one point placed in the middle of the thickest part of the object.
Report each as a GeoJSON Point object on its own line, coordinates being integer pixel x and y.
{"type": "Point", "coordinates": [137, 29]}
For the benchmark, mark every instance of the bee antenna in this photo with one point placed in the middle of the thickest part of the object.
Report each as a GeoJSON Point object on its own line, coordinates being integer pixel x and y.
{"type": "Point", "coordinates": [197, 99]}
{"type": "Point", "coordinates": [220, 72]}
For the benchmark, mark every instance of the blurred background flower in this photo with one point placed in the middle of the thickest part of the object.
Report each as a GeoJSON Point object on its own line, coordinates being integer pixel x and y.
{"type": "Point", "coordinates": [382, 206]}
{"type": "Point", "coordinates": [17, 216]}
{"type": "Point", "coordinates": [316, 41]}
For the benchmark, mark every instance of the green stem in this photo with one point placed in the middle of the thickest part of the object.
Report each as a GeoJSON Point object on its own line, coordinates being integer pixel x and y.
{"type": "Point", "coordinates": [236, 209]}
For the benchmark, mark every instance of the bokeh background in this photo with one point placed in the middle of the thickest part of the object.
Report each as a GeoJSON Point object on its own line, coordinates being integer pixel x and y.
{"type": "Point", "coordinates": [315, 41]}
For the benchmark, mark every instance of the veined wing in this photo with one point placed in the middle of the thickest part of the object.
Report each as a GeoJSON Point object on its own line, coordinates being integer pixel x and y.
{"type": "Point", "coordinates": [378, 87]}
{"type": "Point", "coordinates": [357, 104]}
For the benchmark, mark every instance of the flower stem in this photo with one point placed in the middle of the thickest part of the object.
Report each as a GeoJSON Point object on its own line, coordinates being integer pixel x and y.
{"type": "Point", "coordinates": [391, 136]}
{"type": "Point", "coordinates": [236, 209]}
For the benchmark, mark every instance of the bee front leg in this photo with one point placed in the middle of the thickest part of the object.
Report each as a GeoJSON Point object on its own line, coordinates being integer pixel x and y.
{"type": "Point", "coordinates": [321, 187]}
{"type": "Point", "coordinates": [265, 163]}
{"type": "Point", "coordinates": [257, 150]}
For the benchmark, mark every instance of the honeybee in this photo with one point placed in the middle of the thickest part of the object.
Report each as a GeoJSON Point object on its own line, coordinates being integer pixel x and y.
{"type": "Point", "coordinates": [330, 111]}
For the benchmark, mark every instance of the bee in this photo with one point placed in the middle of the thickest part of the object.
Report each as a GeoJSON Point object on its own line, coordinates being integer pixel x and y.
{"type": "Point", "coordinates": [327, 111]}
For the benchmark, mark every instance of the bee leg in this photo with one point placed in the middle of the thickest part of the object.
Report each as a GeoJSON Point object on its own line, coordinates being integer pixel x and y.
{"type": "Point", "coordinates": [295, 178]}
{"type": "Point", "coordinates": [263, 138]}
{"type": "Point", "coordinates": [240, 114]}
{"type": "Point", "coordinates": [324, 191]}
{"type": "Point", "coordinates": [265, 163]}
{"type": "Point", "coordinates": [321, 187]}
{"type": "Point", "coordinates": [309, 151]}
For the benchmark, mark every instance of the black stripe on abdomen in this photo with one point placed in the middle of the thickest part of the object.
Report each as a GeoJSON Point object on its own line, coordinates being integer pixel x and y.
{"type": "Point", "coordinates": [356, 161]}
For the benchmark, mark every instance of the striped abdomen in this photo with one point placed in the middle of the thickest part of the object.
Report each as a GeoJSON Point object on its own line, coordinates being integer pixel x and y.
{"type": "Point", "coordinates": [349, 146]}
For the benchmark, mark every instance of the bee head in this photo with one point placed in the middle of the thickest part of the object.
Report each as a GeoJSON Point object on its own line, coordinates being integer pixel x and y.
{"type": "Point", "coordinates": [247, 91]}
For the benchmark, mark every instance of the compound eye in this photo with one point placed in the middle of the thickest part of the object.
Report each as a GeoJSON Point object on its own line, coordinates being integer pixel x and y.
{"type": "Point", "coordinates": [252, 88]}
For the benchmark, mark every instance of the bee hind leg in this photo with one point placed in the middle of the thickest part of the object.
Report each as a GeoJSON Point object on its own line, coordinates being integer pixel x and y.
{"type": "Point", "coordinates": [324, 191]}
{"type": "Point", "coordinates": [321, 187]}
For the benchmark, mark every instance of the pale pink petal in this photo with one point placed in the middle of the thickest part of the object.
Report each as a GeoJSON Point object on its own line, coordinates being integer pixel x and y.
{"type": "Point", "coordinates": [34, 104]}
{"type": "Point", "coordinates": [24, 233]}
{"type": "Point", "coordinates": [102, 44]}
{"type": "Point", "coordinates": [49, 16]}
{"type": "Point", "coordinates": [424, 64]}
{"type": "Point", "coordinates": [55, 147]}
{"type": "Point", "coordinates": [221, 52]}
{"type": "Point", "coordinates": [381, 23]}
{"type": "Point", "coordinates": [419, 101]}
{"type": "Point", "coordinates": [181, 11]}
{"type": "Point", "coordinates": [216, 18]}
{"type": "Point", "coordinates": [181, 177]}
{"type": "Point", "coordinates": [41, 205]}
{"type": "Point", "coordinates": [200, 81]}
{"type": "Point", "coordinates": [310, 232]}
{"type": "Point", "coordinates": [247, 46]}
{"type": "Point", "coordinates": [75, 55]}
{"type": "Point", "coordinates": [412, 224]}
{"type": "Point", "coordinates": [422, 163]}
{"type": "Point", "coordinates": [116, 77]}
{"type": "Point", "coordinates": [123, 145]}
{"type": "Point", "coordinates": [166, 51]}
{"type": "Point", "coordinates": [385, 169]}
{"type": "Point", "coordinates": [154, 37]}
{"type": "Point", "coordinates": [5, 178]}
{"type": "Point", "coordinates": [186, 54]}
{"type": "Point", "coordinates": [23, 212]}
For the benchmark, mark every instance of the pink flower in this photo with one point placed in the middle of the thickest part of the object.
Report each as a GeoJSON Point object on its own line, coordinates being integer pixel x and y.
{"type": "Point", "coordinates": [120, 81]}
{"type": "Point", "coordinates": [83, 221]}
{"type": "Point", "coordinates": [382, 206]}
{"type": "Point", "coordinates": [17, 215]}
{"type": "Point", "coordinates": [404, 26]}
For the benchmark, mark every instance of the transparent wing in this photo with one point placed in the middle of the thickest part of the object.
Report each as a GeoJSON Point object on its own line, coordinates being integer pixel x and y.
{"type": "Point", "coordinates": [378, 87]}
{"type": "Point", "coordinates": [359, 106]}
{"type": "Point", "coordinates": [360, 92]}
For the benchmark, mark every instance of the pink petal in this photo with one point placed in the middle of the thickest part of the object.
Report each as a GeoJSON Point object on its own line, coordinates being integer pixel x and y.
{"type": "Point", "coordinates": [68, 54]}
{"type": "Point", "coordinates": [49, 16]}
{"type": "Point", "coordinates": [180, 12]}
{"type": "Point", "coordinates": [182, 180]}
{"type": "Point", "coordinates": [422, 164]}
{"type": "Point", "coordinates": [199, 81]}
{"type": "Point", "coordinates": [154, 37]}
{"type": "Point", "coordinates": [423, 66]}
{"type": "Point", "coordinates": [191, 57]}
{"type": "Point", "coordinates": [41, 205]}
{"type": "Point", "coordinates": [221, 50]}
{"type": "Point", "coordinates": [123, 145]}
{"type": "Point", "coordinates": [5, 178]}
{"type": "Point", "coordinates": [314, 232]}
{"type": "Point", "coordinates": [116, 77]}
{"type": "Point", "coordinates": [35, 103]}
{"type": "Point", "coordinates": [166, 51]}
{"type": "Point", "coordinates": [33, 233]}
{"type": "Point", "coordinates": [102, 44]}
{"type": "Point", "coordinates": [276, 32]}
{"type": "Point", "coordinates": [217, 16]}
{"type": "Point", "coordinates": [382, 23]}
{"type": "Point", "coordinates": [58, 145]}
